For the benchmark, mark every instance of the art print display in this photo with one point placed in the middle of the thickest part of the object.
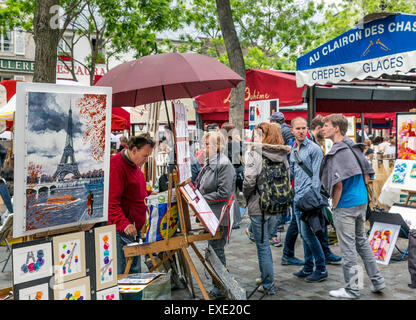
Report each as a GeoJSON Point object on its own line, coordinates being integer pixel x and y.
{"type": "Point", "coordinates": [105, 256]}
{"type": "Point", "coordinates": [399, 172]}
{"type": "Point", "coordinates": [69, 256]}
{"type": "Point", "coordinates": [382, 239]}
{"type": "Point", "coordinates": [73, 290]}
{"type": "Point", "coordinates": [108, 294]}
{"type": "Point", "coordinates": [261, 110]}
{"type": "Point", "coordinates": [35, 292]}
{"type": "Point", "coordinates": [183, 155]}
{"type": "Point", "coordinates": [351, 127]}
{"type": "Point", "coordinates": [406, 135]}
{"type": "Point", "coordinates": [61, 174]}
{"type": "Point", "coordinates": [32, 260]}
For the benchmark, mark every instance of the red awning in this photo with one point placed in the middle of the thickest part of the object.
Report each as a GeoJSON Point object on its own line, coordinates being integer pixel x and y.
{"type": "Point", "coordinates": [260, 85]}
{"type": "Point", "coordinates": [121, 113]}
{"type": "Point", "coordinates": [118, 123]}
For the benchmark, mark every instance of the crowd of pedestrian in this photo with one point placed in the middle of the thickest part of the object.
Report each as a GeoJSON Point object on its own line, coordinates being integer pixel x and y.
{"type": "Point", "coordinates": [285, 166]}
{"type": "Point", "coordinates": [282, 177]}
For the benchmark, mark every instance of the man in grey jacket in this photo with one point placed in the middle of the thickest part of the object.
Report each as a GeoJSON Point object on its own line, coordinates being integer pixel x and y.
{"type": "Point", "coordinates": [344, 173]}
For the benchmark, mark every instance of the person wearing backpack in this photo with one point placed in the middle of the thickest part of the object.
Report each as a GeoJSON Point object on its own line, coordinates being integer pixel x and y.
{"type": "Point", "coordinates": [268, 192]}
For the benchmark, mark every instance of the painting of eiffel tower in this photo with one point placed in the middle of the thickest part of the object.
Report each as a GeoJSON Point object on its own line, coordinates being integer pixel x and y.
{"type": "Point", "coordinates": [65, 158]}
{"type": "Point", "coordinates": [67, 164]}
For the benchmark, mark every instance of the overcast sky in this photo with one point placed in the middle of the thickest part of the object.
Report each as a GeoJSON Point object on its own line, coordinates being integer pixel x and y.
{"type": "Point", "coordinates": [46, 136]}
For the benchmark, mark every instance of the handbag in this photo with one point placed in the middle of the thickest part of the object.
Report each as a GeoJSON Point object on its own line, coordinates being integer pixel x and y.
{"type": "Point", "coordinates": [368, 211]}
{"type": "Point", "coordinates": [311, 201]}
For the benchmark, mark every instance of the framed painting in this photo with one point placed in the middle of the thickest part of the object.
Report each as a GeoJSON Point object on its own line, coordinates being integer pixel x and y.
{"type": "Point", "coordinates": [62, 137]}
{"type": "Point", "coordinates": [69, 256]}
{"type": "Point", "coordinates": [105, 257]}
{"type": "Point", "coordinates": [108, 294]}
{"type": "Point", "coordinates": [406, 135]}
{"type": "Point", "coordinates": [32, 260]}
{"type": "Point", "coordinates": [382, 239]}
{"type": "Point", "coordinates": [33, 292]}
{"type": "Point", "coordinates": [73, 290]}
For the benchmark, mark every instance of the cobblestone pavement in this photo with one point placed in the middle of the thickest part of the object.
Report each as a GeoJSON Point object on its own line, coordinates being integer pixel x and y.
{"type": "Point", "coordinates": [243, 265]}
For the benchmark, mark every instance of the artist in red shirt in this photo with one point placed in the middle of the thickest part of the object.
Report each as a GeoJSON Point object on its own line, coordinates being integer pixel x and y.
{"type": "Point", "coordinates": [126, 207]}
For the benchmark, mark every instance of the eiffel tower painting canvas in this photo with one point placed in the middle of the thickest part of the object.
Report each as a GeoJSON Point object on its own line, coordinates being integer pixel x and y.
{"type": "Point", "coordinates": [66, 158]}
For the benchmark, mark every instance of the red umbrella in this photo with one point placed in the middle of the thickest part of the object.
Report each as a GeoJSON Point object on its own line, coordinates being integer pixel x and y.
{"type": "Point", "coordinates": [167, 76]}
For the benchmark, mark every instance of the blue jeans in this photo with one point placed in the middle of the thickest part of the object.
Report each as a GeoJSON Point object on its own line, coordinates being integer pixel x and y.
{"type": "Point", "coordinates": [121, 263]}
{"type": "Point", "coordinates": [311, 245]}
{"type": "Point", "coordinates": [4, 193]}
{"type": "Point", "coordinates": [291, 236]}
{"type": "Point", "coordinates": [264, 252]}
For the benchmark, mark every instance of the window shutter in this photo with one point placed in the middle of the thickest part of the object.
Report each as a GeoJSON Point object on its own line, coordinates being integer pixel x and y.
{"type": "Point", "coordinates": [19, 42]}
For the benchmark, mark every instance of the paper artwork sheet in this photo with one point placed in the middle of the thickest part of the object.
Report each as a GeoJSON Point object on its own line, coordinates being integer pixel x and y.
{"type": "Point", "coordinates": [108, 294]}
{"type": "Point", "coordinates": [131, 288]}
{"type": "Point", "coordinates": [73, 290]}
{"type": "Point", "coordinates": [382, 239]}
{"type": "Point", "coordinates": [182, 142]}
{"type": "Point", "coordinates": [69, 256]}
{"type": "Point", "coordinates": [139, 278]}
{"type": "Point", "coordinates": [32, 262]}
{"type": "Point", "coordinates": [106, 256]}
{"type": "Point", "coordinates": [399, 172]}
{"type": "Point", "coordinates": [62, 174]}
{"type": "Point", "coordinates": [37, 292]}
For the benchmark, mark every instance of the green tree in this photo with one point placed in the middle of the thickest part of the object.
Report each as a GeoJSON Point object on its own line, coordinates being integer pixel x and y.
{"type": "Point", "coordinates": [272, 33]}
{"type": "Point", "coordinates": [114, 25]}
{"type": "Point", "coordinates": [341, 17]}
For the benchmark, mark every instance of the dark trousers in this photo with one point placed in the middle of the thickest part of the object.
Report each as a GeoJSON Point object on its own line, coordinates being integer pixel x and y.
{"type": "Point", "coordinates": [292, 234]}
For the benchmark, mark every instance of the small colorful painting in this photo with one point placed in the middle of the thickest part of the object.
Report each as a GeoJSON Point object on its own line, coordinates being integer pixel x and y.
{"type": "Point", "coordinates": [406, 136]}
{"type": "Point", "coordinates": [413, 171]}
{"type": "Point", "coordinates": [105, 256]}
{"type": "Point", "coordinates": [108, 294]}
{"type": "Point", "coordinates": [382, 239]}
{"type": "Point", "coordinates": [69, 256]}
{"type": "Point", "coordinates": [73, 290]}
{"type": "Point", "coordinates": [399, 172]}
{"type": "Point", "coordinates": [32, 260]}
{"type": "Point", "coordinates": [37, 292]}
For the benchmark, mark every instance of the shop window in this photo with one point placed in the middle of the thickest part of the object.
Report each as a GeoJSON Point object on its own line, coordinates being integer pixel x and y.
{"type": "Point", "coordinates": [8, 77]}
{"type": "Point", "coordinates": [6, 42]}
{"type": "Point", "coordinates": [22, 78]}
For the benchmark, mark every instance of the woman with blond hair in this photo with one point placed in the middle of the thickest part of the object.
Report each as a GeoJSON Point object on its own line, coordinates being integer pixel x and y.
{"type": "Point", "coordinates": [216, 182]}
{"type": "Point", "coordinates": [268, 147]}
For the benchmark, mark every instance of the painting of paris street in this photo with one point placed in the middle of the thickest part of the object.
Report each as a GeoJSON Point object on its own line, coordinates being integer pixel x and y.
{"type": "Point", "coordinates": [65, 160]}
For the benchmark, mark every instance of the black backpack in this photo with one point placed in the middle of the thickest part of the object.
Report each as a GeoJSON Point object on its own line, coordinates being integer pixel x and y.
{"type": "Point", "coordinates": [276, 192]}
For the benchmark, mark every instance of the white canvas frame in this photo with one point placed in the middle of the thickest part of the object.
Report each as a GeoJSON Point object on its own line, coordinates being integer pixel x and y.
{"type": "Point", "coordinates": [395, 233]}
{"type": "Point", "coordinates": [20, 150]}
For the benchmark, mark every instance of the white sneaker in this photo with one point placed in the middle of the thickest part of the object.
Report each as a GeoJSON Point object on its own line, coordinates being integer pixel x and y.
{"type": "Point", "coordinates": [377, 289]}
{"type": "Point", "coordinates": [341, 293]}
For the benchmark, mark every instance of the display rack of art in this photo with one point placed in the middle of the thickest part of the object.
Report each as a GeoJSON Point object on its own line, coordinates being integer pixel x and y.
{"type": "Point", "coordinates": [62, 172]}
{"type": "Point", "coordinates": [382, 239]}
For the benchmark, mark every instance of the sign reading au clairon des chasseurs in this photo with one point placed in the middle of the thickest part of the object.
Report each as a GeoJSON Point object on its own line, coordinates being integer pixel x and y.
{"type": "Point", "coordinates": [382, 46]}
{"type": "Point", "coordinates": [27, 66]}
